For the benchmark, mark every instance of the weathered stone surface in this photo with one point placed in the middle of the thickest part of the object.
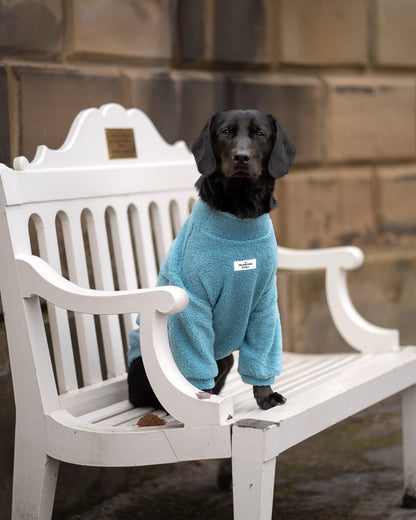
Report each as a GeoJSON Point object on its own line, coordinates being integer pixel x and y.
{"type": "Point", "coordinates": [396, 203]}
{"type": "Point", "coordinates": [194, 23]}
{"type": "Point", "coordinates": [310, 328]}
{"type": "Point", "coordinates": [4, 121]}
{"type": "Point", "coordinates": [125, 29]}
{"type": "Point", "coordinates": [201, 95]}
{"type": "Point", "coordinates": [295, 101]}
{"type": "Point", "coordinates": [31, 26]}
{"type": "Point", "coordinates": [243, 32]}
{"type": "Point", "coordinates": [323, 32]}
{"type": "Point", "coordinates": [370, 118]}
{"type": "Point", "coordinates": [153, 91]}
{"type": "Point", "coordinates": [382, 290]}
{"type": "Point", "coordinates": [232, 32]}
{"type": "Point", "coordinates": [324, 208]}
{"type": "Point", "coordinates": [50, 98]}
{"type": "Point", "coordinates": [395, 41]}
{"type": "Point", "coordinates": [179, 103]}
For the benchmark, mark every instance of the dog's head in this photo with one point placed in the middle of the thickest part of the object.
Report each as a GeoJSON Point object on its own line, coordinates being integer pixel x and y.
{"type": "Point", "coordinates": [243, 144]}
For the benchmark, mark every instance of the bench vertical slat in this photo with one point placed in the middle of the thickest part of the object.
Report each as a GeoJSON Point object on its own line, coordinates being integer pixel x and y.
{"type": "Point", "coordinates": [142, 236]}
{"type": "Point", "coordinates": [103, 278]}
{"type": "Point", "coordinates": [124, 256]}
{"type": "Point", "coordinates": [58, 318]}
{"type": "Point", "coordinates": [78, 273]}
{"type": "Point", "coordinates": [175, 216]}
{"type": "Point", "coordinates": [162, 227]}
{"type": "Point", "coordinates": [185, 203]}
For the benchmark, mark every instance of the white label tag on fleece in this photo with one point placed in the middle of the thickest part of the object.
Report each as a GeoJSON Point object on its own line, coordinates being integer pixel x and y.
{"type": "Point", "coordinates": [244, 265]}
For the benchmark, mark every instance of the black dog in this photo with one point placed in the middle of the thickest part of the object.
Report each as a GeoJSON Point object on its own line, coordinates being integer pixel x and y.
{"type": "Point", "coordinates": [240, 154]}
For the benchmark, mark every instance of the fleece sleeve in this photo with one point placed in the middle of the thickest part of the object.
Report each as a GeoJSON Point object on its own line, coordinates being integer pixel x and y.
{"type": "Point", "coordinates": [192, 338]}
{"type": "Point", "coordinates": [260, 358]}
{"type": "Point", "coordinates": [191, 335]}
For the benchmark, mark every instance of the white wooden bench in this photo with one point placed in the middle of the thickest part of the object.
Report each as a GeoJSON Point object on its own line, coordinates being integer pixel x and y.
{"type": "Point", "coordinates": [116, 190]}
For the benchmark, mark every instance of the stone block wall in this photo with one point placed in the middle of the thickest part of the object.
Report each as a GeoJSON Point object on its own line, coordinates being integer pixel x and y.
{"type": "Point", "coordinates": [341, 78]}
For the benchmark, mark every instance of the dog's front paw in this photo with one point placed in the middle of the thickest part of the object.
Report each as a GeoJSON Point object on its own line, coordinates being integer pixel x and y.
{"type": "Point", "coordinates": [266, 398]}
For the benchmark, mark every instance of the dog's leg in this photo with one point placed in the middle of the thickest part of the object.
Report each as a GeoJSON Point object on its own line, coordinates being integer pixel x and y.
{"type": "Point", "coordinates": [224, 367]}
{"type": "Point", "coordinates": [266, 398]}
{"type": "Point", "coordinates": [140, 392]}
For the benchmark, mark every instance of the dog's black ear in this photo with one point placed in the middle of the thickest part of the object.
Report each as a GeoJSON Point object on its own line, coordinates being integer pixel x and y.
{"type": "Point", "coordinates": [283, 152]}
{"type": "Point", "coordinates": [203, 151]}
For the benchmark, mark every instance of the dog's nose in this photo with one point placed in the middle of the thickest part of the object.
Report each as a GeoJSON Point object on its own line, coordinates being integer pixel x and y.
{"type": "Point", "coordinates": [241, 157]}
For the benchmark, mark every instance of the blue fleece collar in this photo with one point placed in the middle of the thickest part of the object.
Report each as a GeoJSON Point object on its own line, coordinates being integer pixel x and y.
{"type": "Point", "coordinates": [228, 226]}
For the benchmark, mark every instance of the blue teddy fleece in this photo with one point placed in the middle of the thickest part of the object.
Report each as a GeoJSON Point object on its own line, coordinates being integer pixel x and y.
{"type": "Point", "coordinates": [228, 267]}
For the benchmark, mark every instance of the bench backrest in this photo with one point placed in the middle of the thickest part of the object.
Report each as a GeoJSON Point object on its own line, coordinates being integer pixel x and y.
{"type": "Point", "coordinates": [102, 210]}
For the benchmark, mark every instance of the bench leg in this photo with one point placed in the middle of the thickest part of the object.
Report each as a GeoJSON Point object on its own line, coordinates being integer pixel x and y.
{"type": "Point", "coordinates": [34, 483]}
{"type": "Point", "coordinates": [253, 477]}
{"type": "Point", "coordinates": [409, 447]}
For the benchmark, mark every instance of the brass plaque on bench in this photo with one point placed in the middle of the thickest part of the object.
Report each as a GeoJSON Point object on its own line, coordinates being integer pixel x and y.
{"type": "Point", "coordinates": [121, 143]}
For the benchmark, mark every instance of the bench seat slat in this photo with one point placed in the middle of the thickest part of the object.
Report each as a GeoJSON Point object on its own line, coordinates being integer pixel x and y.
{"type": "Point", "coordinates": [170, 422]}
{"type": "Point", "coordinates": [309, 371]}
{"type": "Point", "coordinates": [123, 414]}
{"type": "Point", "coordinates": [328, 367]}
{"type": "Point", "coordinates": [130, 417]}
{"type": "Point", "coordinates": [93, 397]}
{"type": "Point", "coordinates": [106, 412]}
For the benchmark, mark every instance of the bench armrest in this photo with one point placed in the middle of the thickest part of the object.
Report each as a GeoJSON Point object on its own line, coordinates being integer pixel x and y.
{"type": "Point", "coordinates": [347, 257]}
{"type": "Point", "coordinates": [181, 399]}
{"type": "Point", "coordinates": [38, 278]}
{"type": "Point", "coordinates": [357, 332]}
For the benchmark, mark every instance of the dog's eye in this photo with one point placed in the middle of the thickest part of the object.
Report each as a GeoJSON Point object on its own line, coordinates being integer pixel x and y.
{"type": "Point", "coordinates": [226, 132]}
{"type": "Point", "coordinates": [260, 133]}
